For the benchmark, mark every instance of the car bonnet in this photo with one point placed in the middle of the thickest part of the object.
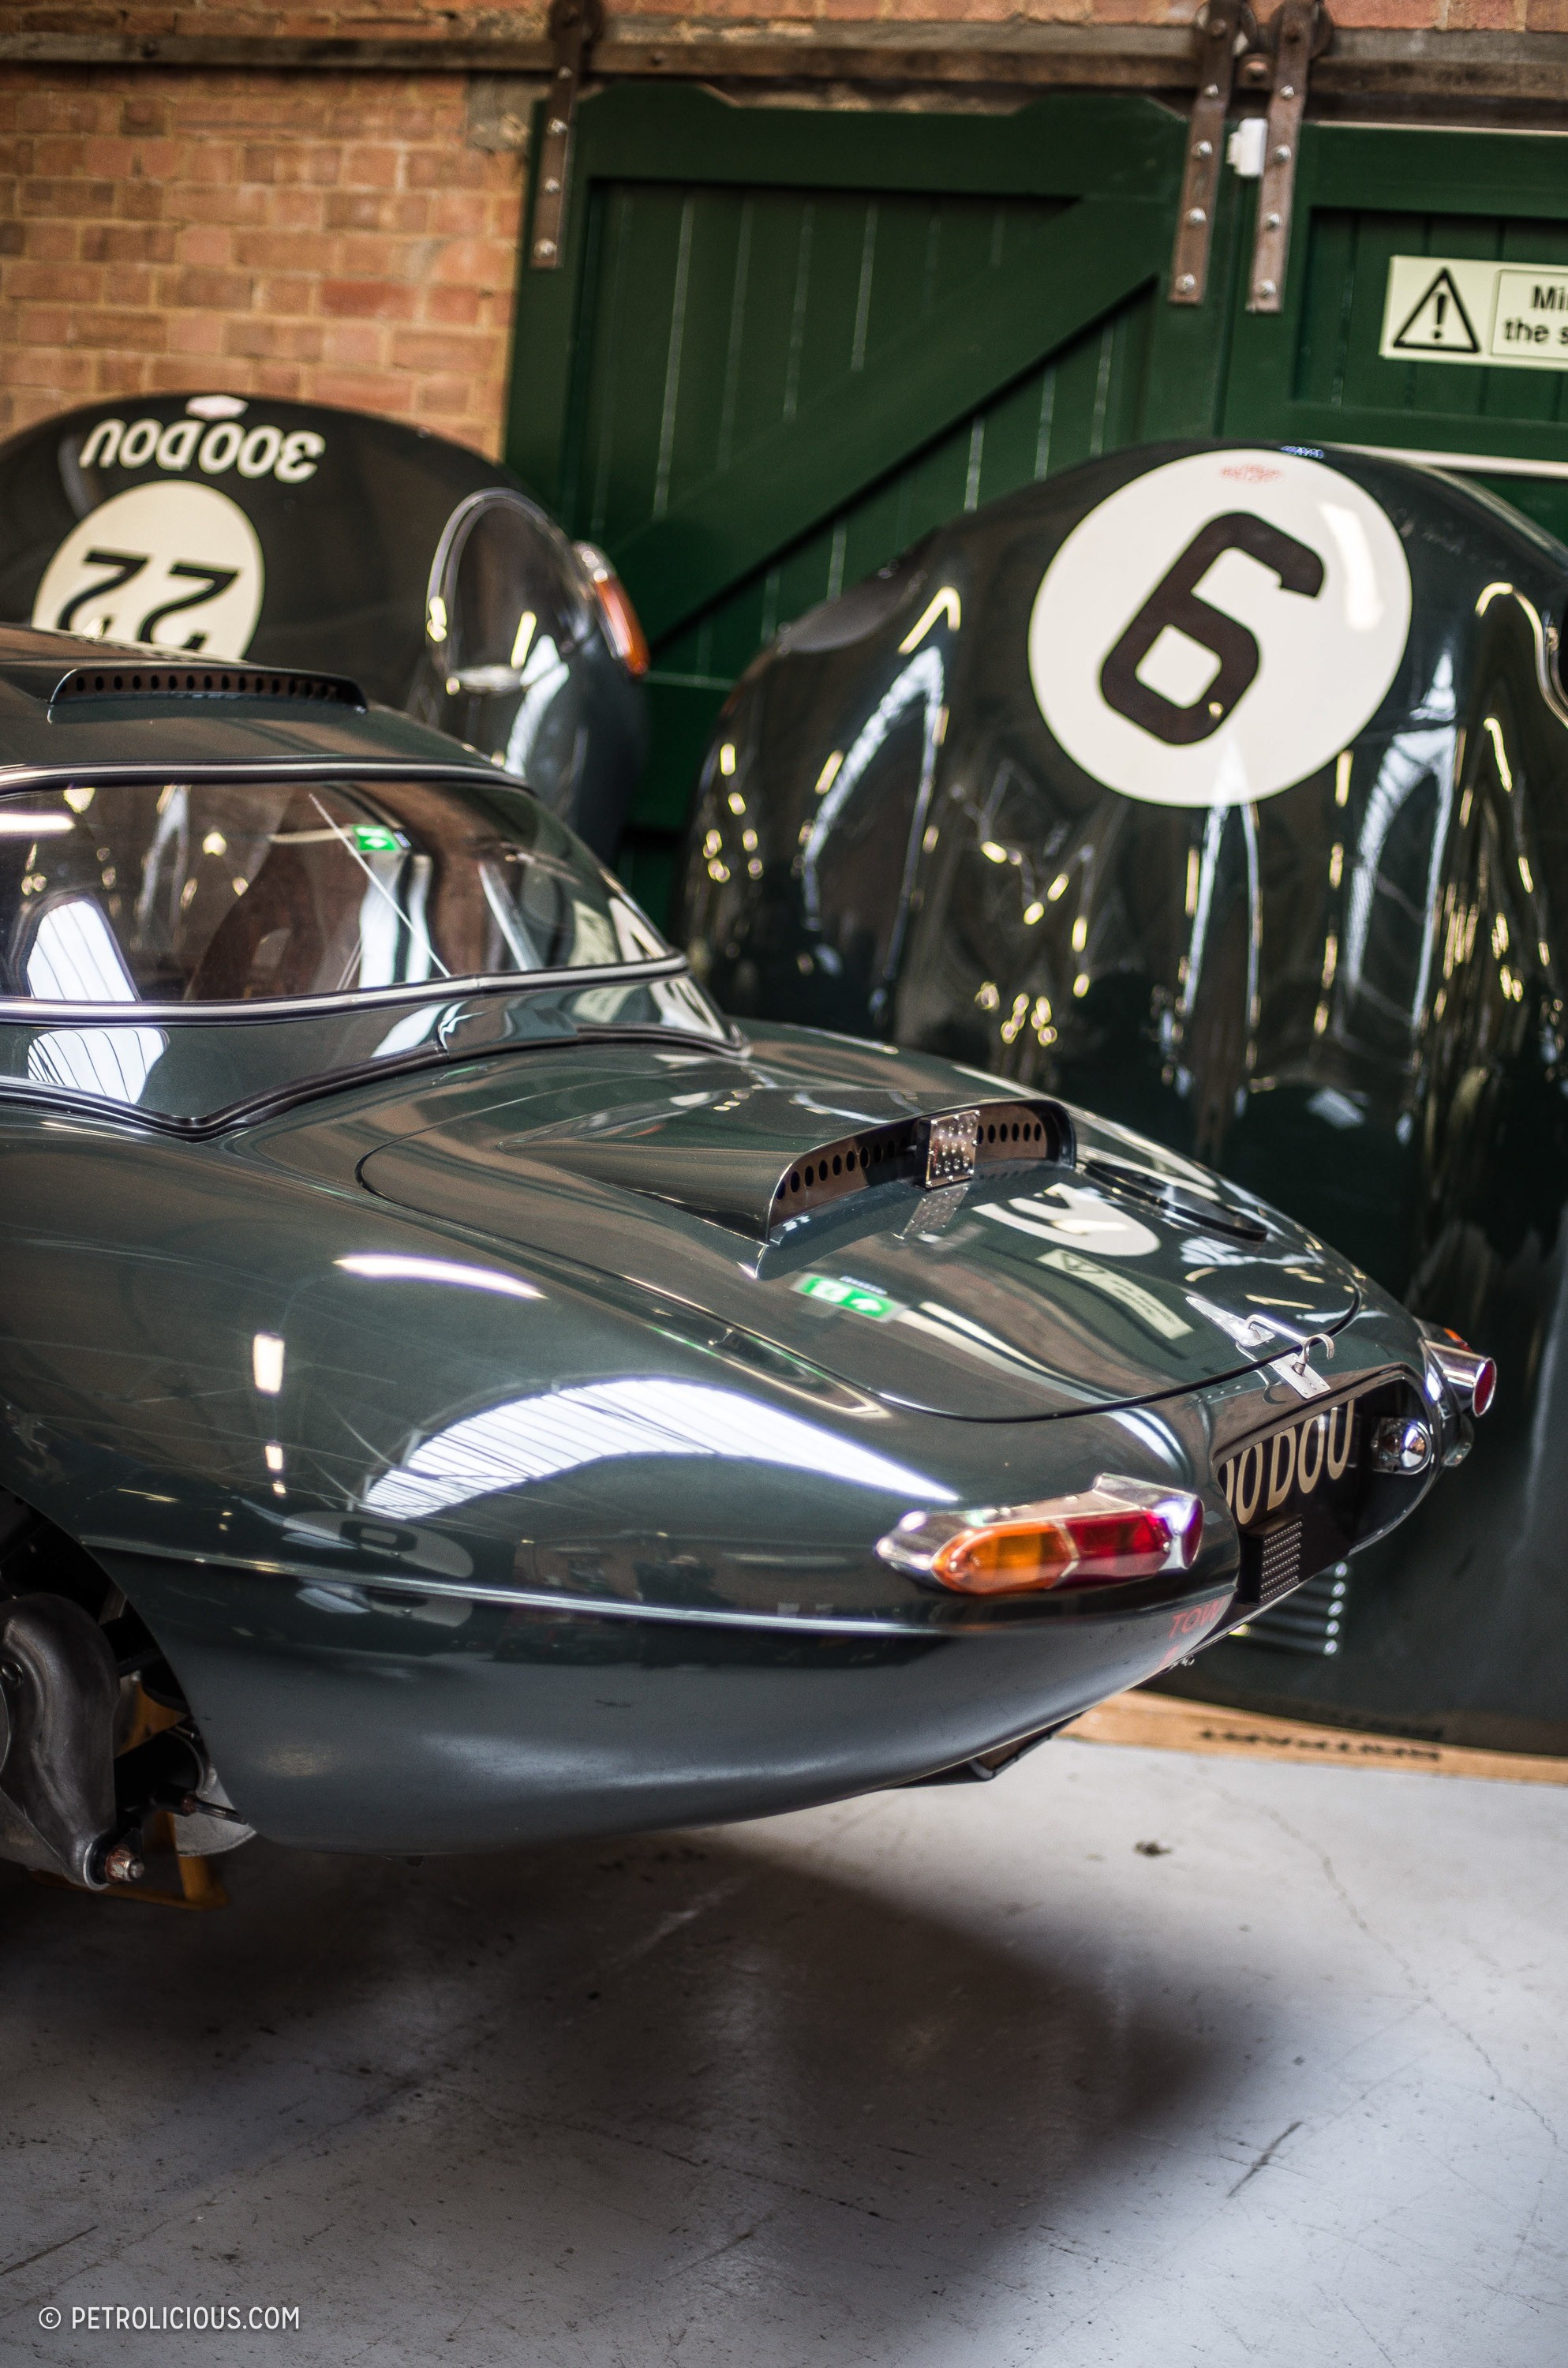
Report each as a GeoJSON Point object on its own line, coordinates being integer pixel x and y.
{"type": "Point", "coordinates": [1042, 1286]}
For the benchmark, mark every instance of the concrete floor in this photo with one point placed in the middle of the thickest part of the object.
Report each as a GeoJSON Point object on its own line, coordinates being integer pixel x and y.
{"type": "Point", "coordinates": [927, 2080]}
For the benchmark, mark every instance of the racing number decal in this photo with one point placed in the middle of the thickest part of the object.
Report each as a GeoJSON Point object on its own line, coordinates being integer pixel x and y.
{"type": "Point", "coordinates": [1220, 627]}
{"type": "Point", "coordinates": [212, 581]}
{"type": "Point", "coordinates": [175, 566]}
{"type": "Point", "coordinates": [1174, 607]}
{"type": "Point", "coordinates": [123, 566]}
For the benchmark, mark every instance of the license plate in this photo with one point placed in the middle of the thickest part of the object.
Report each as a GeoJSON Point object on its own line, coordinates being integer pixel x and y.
{"type": "Point", "coordinates": [1277, 1477]}
{"type": "Point", "coordinates": [1295, 1494]}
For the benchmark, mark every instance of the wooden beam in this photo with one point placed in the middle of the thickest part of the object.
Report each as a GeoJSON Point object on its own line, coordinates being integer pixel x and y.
{"type": "Point", "coordinates": [1083, 265]}
{"type": "Point", "coordinates": [1171, 1723]}
{"type": "Point", "coordinates": [1391, 71]}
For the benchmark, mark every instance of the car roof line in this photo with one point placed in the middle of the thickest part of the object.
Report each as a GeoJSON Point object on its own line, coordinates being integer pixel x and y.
{"type": "Point", "coordinates": [334, 768]}
{"type": "Point", "coordinates": [25, 1011]}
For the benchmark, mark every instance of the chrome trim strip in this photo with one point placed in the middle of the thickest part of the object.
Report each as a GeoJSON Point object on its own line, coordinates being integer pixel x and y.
{"type": "Point", "coordinates": [1475, 464]}
{"type": "Point", "coordinates": [332, 767]}
{"type": "Point", "coordinates": [316, 1085]}
{"type": "Point", "coordinates": [526, 1598]}
{"type": "Point", "coordinates": [23, 1011]}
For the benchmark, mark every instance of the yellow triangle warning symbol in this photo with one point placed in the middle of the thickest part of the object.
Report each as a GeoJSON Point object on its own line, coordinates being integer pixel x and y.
{"type": "Point", "coordinates": [1439, 322]}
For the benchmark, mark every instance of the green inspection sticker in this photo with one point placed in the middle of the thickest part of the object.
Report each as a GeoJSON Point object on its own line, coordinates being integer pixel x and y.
{"type": "Point", "coordinates": [832, 1292]}
{"type": "Point", "coordinates": [374, 838]}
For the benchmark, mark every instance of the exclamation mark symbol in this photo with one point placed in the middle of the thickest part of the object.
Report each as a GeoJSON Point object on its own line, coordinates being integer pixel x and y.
{"type": "Point", "coordinates": [1442, 307]}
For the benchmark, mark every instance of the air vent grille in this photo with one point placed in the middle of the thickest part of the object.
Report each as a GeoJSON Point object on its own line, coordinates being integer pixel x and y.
{"type": "Point", "coordinates": [130, 681]}
{"type": "Point", "coordinates": [1308, 1622]}
{"type": "Point", "coordinates": [1007, 1134]}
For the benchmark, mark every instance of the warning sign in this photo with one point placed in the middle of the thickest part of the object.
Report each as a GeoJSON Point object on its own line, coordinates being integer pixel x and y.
{"type": "Point", "coordinates": [1440, 325]}
{"type": "Point", "coordinates": [1447, 309]}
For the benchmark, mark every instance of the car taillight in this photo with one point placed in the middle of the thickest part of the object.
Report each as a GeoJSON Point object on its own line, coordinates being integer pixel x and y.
{"type": "Point", "coordinates": [623, 627]}
{"type": "Point", "coordinates": [1119, 1529]}
{"type": "Point", "coordinates": [1471, 1377]}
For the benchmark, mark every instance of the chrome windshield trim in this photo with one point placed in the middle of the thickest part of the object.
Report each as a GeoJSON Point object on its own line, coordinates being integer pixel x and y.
{"type": "Point", "coordinates": [335, 767]}
{"type": "Point", "coordinates": [25, 1011]}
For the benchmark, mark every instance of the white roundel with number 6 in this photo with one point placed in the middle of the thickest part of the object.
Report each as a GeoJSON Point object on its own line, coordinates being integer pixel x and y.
{"type": "Point", "coordinates": [176, 565]}
{"type": "Point", "coordinates": [1221, 628]}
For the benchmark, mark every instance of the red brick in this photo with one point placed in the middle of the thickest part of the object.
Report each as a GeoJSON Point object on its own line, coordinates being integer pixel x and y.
{"type": "Point", "coordinates": [351, 345]}
{"type": "Point", "coordinates": [35, 325]}
{"type": "Point", "coordinates": [196, 333]}
{"type": "Point", "coordinates": [204, 243]}
{"type": "Point", "coordinates": [45, 366]}
{"type": "Point", "coordinates": [117, 332]}
{"type": "Point", "coordinates": [368, 300]}
{"type": "Point", "coordinates": [298, 341]}
{"type": "Point", "coordinates": [356, 209]}
{"type": "Point", "coordinates": [364, 390]}
{"type": "Point", "coordinates": [158, 160]}
{"type": "Point", "coordinates": [244, 207]}
{"type": "Point", "coordinates": [441, 168]}
{"type": "Point", "coordinates": [205, 289]}
{"type": "Point", "coordinates": [281, 381]}
{"type": "Point", "coordinates": [120, 374]}
{"type": "Point", "coordinates": [370, 168]}
{"type": "Point", "coordinates": [282, 296]}
{"type": "Point", "coordinates": [143, 114]}
{"type": "Point", "coordinates": [460, 214]}
{"type": "Point", "coordinates": [139, 200]}
{"type": "Point", "coordinates": [443, 399]}
{"type": "Point", "coordinates": [75, 197]}
{"type": "Point", "coordinates": [454, 308]}
{"type": "Point", "coordinates": [425, 350]}
{"type": "Point", "coordinates": [123, 242]}
{"type": "Point", "coordinates": [56, 158]}
{"type": "Point", "coordinates": [49, 241]}
{"type": "Point", "coordinates": [477, 263]}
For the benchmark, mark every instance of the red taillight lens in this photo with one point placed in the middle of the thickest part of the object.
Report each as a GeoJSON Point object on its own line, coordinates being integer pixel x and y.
{"type": "Point", "coordinates": [1472, 1378]}
{"type": "Point", "coordinates": [1119, 1529]}
{"type": "Point", "coordinates": [623, 627]}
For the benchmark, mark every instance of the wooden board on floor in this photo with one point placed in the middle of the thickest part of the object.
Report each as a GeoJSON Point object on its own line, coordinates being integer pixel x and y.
{"type": "Point", "coordinates": [1169, 1723]}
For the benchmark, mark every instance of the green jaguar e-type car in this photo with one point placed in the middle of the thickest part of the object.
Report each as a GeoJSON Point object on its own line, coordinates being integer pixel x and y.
{"type": "Point", "coordinates": [458, 1389]}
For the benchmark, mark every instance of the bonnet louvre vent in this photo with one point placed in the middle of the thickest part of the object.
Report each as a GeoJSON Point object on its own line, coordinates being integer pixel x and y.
{"type": "Point", "coordinates": [205, 682]}
{"type": "Point", "coordinates": [913, 1151]}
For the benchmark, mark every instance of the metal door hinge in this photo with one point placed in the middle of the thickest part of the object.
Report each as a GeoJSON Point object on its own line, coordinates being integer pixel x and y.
{"type": "Point", "coordinates": [1299, 32]}
{"type": "Point", "coordinates": [1220, 30]}
{"type": "Point", "coordinates": [574, 27]}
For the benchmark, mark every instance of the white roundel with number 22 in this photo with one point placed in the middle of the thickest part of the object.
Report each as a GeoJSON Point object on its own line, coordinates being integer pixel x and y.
{"type": "Point", "coordinates": [176, 565]}
{"type": "Point", "coordinates": [1220, 628]}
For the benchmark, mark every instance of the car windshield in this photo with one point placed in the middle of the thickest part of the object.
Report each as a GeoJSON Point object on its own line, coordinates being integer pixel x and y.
{"type": "Point", "coordinates": [270, 890]}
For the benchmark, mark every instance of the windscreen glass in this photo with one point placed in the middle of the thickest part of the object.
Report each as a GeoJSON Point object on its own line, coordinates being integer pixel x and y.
{"type": "Point", "coordinates": [265, 890]}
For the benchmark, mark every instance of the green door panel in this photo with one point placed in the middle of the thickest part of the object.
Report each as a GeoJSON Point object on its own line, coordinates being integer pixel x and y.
{"type": "Point", "coordinates": [972, 298]}
{"type": "Point", "coordinates": [1313, 372]}
{"type": "Point", "coordinates": [784, 343]}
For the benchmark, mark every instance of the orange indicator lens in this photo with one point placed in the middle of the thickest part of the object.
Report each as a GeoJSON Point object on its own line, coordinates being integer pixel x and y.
{"type": "Point", "coordinates": [623, 627]}
{"type": "Point", "coordinates": [622, 624]}
{"type": "Point", "coordinates": [1087, 1549]}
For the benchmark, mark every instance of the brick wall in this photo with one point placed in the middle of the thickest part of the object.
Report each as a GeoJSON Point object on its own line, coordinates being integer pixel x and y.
{"type": "Point", "coordinates": [323, 236]}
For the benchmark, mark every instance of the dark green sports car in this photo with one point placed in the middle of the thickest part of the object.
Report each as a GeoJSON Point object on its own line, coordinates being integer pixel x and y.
{"type": "Point", "coordinates": [458, 1389]}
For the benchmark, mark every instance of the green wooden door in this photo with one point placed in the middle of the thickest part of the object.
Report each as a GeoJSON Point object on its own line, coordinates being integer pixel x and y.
{"type": "Point", "coordinates": [783, 343]}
